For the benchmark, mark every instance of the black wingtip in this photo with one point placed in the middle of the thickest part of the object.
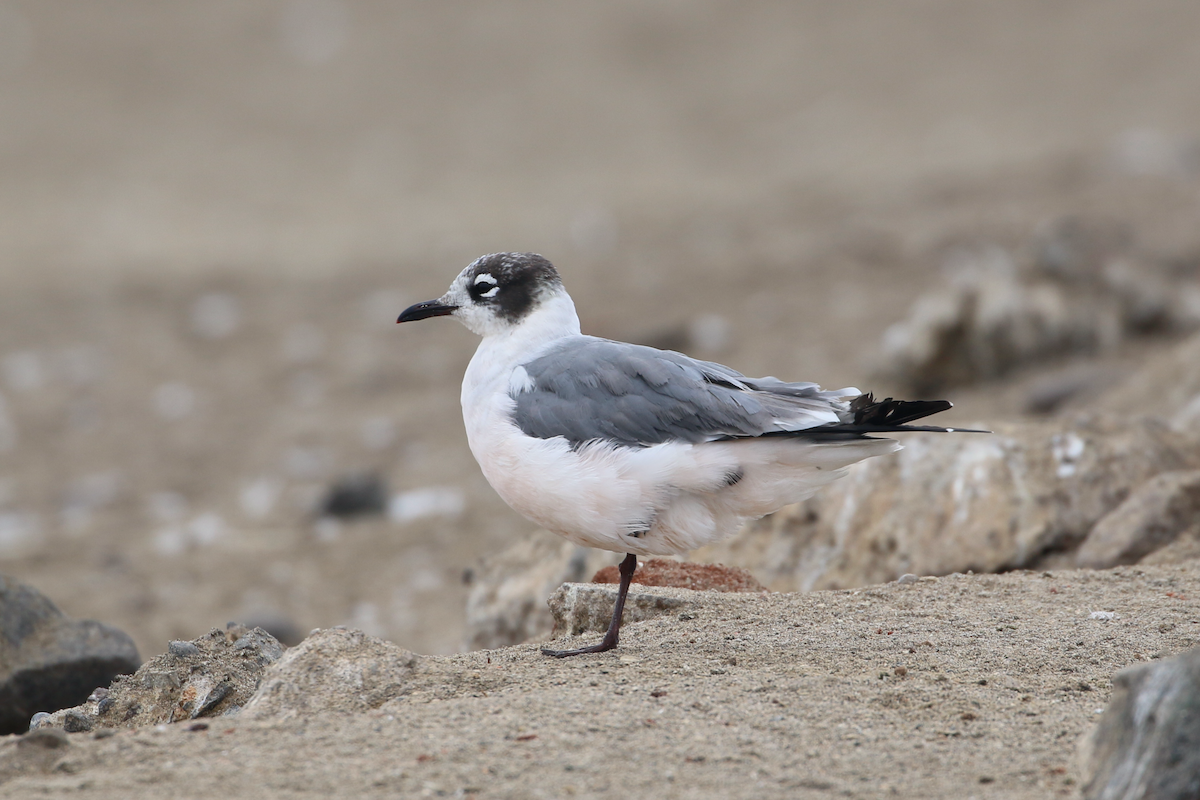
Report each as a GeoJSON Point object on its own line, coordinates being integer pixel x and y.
{"type": "Point", "coordinates": [888, 412]}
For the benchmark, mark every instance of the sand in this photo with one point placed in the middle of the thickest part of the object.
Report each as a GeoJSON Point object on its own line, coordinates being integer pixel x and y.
{"type": "Point", "coordinates": [963, 686]}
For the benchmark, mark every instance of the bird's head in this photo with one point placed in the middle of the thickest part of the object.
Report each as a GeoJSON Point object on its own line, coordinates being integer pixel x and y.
{"type": "Point", "coordinates": [495, 293]}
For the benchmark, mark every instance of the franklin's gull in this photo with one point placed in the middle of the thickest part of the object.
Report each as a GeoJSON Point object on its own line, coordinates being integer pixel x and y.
{"type": "Point", "coordinates": [632, 449]}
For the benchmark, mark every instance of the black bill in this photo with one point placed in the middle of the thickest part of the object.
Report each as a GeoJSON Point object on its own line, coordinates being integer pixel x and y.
{"type": "Point", "coordinates": [430, 308]}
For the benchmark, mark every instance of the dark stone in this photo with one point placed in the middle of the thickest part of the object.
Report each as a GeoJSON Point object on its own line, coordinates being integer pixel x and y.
{"type": "Point", "coordinates": [49, 661]}
{"type": "Point", "coordinates": [78, 722]}
{"type": "Point", "coordinates": [356, 496]}
{"type": "Point", "coordinates": [1147, 743]}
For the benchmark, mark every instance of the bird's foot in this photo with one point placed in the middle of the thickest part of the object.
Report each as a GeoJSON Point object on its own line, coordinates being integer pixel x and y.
{"type": "Point", "coordinates": [595, 648]}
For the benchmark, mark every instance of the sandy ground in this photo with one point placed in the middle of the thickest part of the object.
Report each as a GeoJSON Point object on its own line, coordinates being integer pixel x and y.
{"type": "Point", "coordinates": [959, 687]}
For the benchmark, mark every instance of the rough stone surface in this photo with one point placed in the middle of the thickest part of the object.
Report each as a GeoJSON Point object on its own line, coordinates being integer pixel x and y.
{"type": "Point", "coordinates": [586, 607]}
{"type": "Point", "coordinates": [1147, 744]}
{"type": "Point", "coordinates": [333, 670]}
{"type": "Point", "coordinates": [507, 603]}
{"type": "Point", "coordinates": [685, 575]}
{"type": "Point", "coordinates": [1154, 516]}
{"type": "Point", "coordinates": [1084, 293]}
{"type": "Point", "coordinates": [49, 661]}
{"type": "Point", "coordinates": [1023, 497]}
{"type": "Point", "coordinates": [1167, 385]}
{"type": "Point", "coordinates": [215, 676]}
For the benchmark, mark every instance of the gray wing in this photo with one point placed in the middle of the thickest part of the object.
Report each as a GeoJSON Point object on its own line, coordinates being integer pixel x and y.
{"type": "Point", "coordinates": [586, 389]}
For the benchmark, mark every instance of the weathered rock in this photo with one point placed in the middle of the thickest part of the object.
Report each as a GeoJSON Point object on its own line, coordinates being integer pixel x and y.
{"type": "Point", "coordinates": [49, 661]}
{"type": "Point", "coordinates": [210, 676]}
{"type": "Point", "coordinates": [1147, 744]}
{"type": "Point", "coordinates": [333, 670]}
{"type": "Point", "coordinates": [1168, 385]}
{"type": "Point", "coordinates": [988, 321]}
{"type": "Point", "coordinates": [507, 603]}
{"type": "Point", "coordinates": [1154, 516]}
{"type": "Point", "coordinates": [1022, 497]}
{"type": "Point", "coordinates": [993, 316]}
{"type": "Point", "coordinates": [685, 575]}
{"type": "Point", "coordinates": [583, 607]}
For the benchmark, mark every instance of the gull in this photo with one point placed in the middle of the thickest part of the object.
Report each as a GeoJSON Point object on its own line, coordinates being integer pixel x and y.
{"type": "Point", "coordinates": [632, 449]}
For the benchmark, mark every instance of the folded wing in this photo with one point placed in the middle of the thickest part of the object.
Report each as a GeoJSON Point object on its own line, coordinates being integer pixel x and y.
{"type": "Point", "coordinates": [586, 389]}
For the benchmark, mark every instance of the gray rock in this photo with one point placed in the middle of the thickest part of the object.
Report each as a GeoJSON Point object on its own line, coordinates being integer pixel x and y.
{"type": "Point", "coordinates": [1147, 744]}
{"type": "Point", "coordinates": [1168, 385]}
{"type": "Point", "coordinates": [49, 661]}
{"type": "Point", "coordinates": [991, 320]}
{"type": "Point", "coordinates": [993, 316]}
{"type": "Point", "coordinates": [588, 607]}
{"type": "Point", "coordinates": [210, 676]}
{"type": "Point", "coordinates": [181, 649]}
{"type": "Point", "coordinates": [1154, 516]}
{"type": "Point", "coordinates": [334, 670]}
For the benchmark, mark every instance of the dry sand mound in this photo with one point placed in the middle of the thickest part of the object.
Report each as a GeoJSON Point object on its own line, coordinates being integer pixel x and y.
{"type": "Point", "coordinates": [968, 685]}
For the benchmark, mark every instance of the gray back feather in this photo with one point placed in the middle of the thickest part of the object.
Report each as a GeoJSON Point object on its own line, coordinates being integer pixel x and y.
{"type": "Point", "coordinates": [584, 389]}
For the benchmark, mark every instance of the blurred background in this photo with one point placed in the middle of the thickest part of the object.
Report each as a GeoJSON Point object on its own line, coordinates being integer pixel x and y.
{"type": "Point", "coordinates": [211, 213]}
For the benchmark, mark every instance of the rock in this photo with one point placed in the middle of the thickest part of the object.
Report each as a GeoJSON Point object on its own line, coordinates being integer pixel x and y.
{"type": "Point", "coordinates": [507, 603]}
{"type": "Point", "coordinates": [210, 676]}
{"type": "Point", "coordinates": [356, 496]}
{"type": "Point", "coordinates": [684, 575]}
{"type": "Point", "coordinates": [1073, 385]}
{"type": "Point", "coordinates": [1152, 517]}
{"type": "Point", "coordinates": [333, 670]}
{"type": "Point", "coordinates": [1023, 497]}
{"type": "Point", "coordinates": [49, 661]}
{"type": "Point", "coordinates": [1168, 385]}
{"type": "Point", "coordinates": [182, 649]}
{"type": "Point", "coordinates": [582, 607]}
{"type": "Point", "coordinates": [1085, 292]}
{"type": "Point", "coordinates": [1147, 744]}
{"type": "Point", "coordinates": [987, 322]}
{"type": "Point", "coordinates": [1074, 249]}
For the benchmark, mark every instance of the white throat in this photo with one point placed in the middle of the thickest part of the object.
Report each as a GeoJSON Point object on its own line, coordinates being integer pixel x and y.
{"type": "Point", "coordinates": [506, 346]}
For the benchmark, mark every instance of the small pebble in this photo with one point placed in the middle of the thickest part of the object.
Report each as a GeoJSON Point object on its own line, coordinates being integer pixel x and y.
{"type": "Point", "coordinates": [37, 719]}
{"type": "Point", "coordinates": [76, 722]}
{"type": "Point", "coordinates": [901, 671]}
{"type": "Point", "coordinates": [182, 649]}
{"type": "Point", "coordinates": [907, 577]}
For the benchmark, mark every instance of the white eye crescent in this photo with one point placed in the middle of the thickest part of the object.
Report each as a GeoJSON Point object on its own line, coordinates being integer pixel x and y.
{"type": "Point", "coordinates": [490, 292]}
{"type": "Point", "coordinates": [484, 277]}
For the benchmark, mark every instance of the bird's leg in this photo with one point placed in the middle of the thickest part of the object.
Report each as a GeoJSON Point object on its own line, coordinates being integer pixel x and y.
{"type": "Point", "coordinates": [614, 628]}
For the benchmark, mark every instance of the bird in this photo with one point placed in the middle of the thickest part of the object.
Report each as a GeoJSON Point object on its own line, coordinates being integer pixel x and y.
{"type": "Point", "coordinates": [633, 449]}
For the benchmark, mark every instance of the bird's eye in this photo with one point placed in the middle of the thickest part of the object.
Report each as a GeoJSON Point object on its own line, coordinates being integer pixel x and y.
{"type": "Point", "coordinates": [481, 286]}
